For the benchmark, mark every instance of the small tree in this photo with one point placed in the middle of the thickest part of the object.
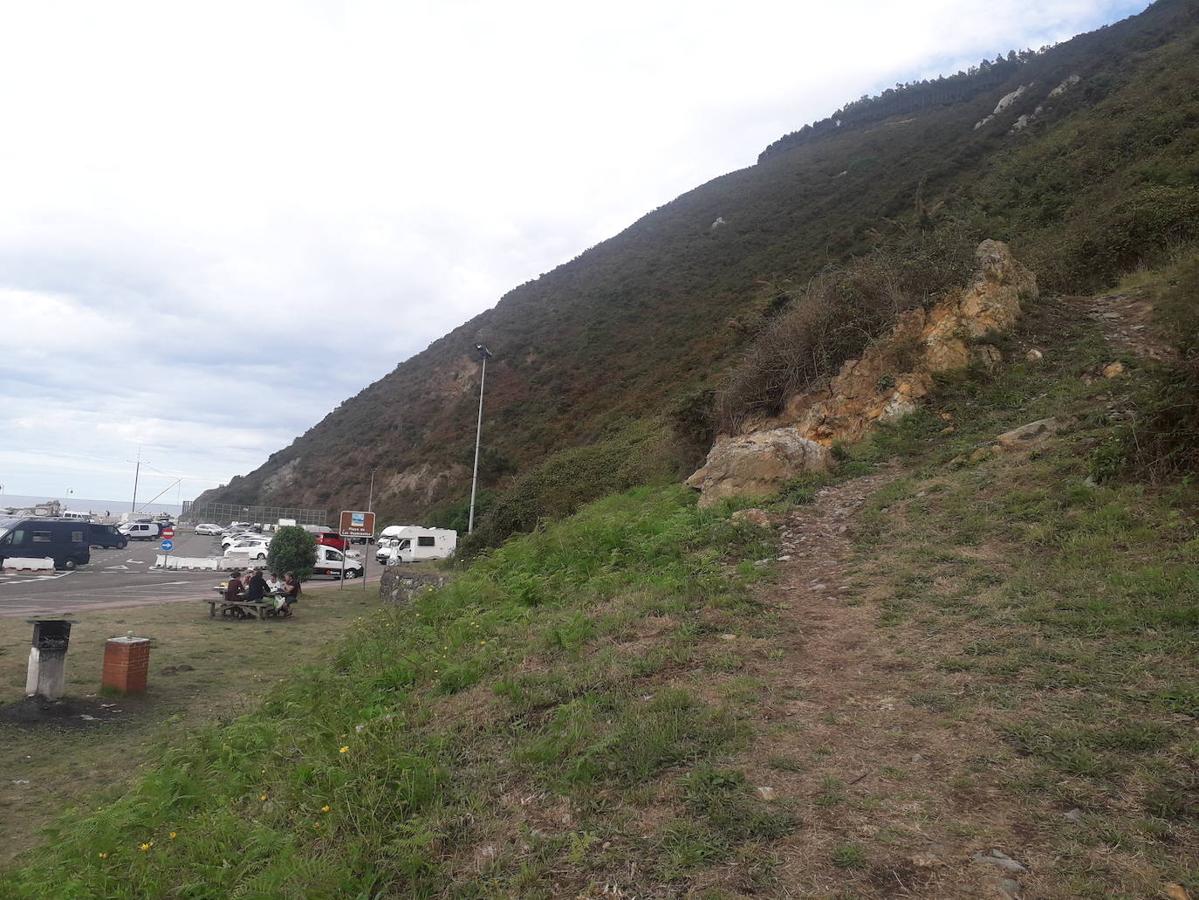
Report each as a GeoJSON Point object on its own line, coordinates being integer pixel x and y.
{"type": "Point", "coordinates": [292, 550]}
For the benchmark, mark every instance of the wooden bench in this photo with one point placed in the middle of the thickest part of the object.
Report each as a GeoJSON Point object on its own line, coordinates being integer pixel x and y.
{"type": "Point", "coordinates": [255, 610]}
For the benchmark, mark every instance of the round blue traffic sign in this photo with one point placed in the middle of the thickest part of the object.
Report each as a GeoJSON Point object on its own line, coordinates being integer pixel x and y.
{"type": "Point", "coordinates": [167, 546]}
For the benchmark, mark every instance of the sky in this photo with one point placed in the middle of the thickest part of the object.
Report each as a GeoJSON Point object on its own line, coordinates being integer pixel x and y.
{"type": "Point", "coordinates": [219, 220]}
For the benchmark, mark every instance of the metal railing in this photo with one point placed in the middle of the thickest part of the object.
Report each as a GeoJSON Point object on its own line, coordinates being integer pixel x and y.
{"type": "Point", "coordinates": [224, 513]}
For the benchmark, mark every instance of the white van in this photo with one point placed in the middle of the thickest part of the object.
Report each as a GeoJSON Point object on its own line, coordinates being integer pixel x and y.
{"type": "Point", "coordinates": [140, 531]}
{"type": "Point", "coordinates": [412, 543]}
{"type": "Point", "coordinates": [329, 561]}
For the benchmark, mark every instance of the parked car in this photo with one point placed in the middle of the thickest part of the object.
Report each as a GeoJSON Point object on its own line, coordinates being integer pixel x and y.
{"type": "Point", "coordinates": [230, 539]}
{"type": "Point", "coordinates": [62, 540]}
{"type": "Point", "coordinates": [207, 528]}
{"type": "Point", "coordinates": [140, 531]}
{"type": "Point", "coordinates": [330, 561]}
{"type": "Point", "coordinates": [106, 536]}
{"type": "Point", "coordinates": [250, 548]}
{"type": "Point", "coordinates": [332, 539]}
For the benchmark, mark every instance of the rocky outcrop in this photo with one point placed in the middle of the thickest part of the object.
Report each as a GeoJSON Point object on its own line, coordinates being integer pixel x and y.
{"type": "Point", "coordinates": [756, 465]}
{"type": "Point", "coordinates": [886, 383]}
{"type": "Point", "coordinates": [896, 372]}
{"type": "Point", "coordinates": [426, 482]}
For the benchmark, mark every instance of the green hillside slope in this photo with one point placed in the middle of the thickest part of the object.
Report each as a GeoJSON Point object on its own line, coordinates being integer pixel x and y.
{"type": "Point", "coordinates": [636, 329]}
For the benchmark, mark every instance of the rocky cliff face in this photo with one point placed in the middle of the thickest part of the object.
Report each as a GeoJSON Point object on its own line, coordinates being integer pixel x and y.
{"type": "Point", "coordinates": [886, 383]}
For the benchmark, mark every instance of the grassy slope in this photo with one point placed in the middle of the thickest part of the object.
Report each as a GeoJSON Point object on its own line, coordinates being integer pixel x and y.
{"type": "Point", "coordinates": [228, 668]}
{"type": "Point", "coordinates": [569, 716]}
{"type": "Point", "coordinates": [1104, 176]}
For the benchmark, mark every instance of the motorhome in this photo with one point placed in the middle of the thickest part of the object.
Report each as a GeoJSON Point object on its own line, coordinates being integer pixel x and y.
{"type": "Point", "coordinates": [414, 543]}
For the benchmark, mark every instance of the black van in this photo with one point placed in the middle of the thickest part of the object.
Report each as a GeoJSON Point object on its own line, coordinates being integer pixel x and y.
{"type": "Point", "coordinates": [106, 536]}
{"type": "Point", "coordinates": [63, 540]}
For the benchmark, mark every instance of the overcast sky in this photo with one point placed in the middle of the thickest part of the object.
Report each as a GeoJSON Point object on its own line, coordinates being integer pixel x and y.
{"type": "Point", "coordinates": [218, 220]}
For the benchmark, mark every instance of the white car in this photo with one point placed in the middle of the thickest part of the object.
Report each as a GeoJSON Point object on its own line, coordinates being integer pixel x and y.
{"type": "Point", "coordinates": [208, 529]}
{"type": "Point", "coordinates": [230, 539]}
{"type": "Point", "coordinates": [250, 548]}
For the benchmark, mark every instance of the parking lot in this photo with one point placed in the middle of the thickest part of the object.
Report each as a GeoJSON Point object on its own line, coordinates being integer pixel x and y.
{"type": "Point", "coordinates": [115, 578]}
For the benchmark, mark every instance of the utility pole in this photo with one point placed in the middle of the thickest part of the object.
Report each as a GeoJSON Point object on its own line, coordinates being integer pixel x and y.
{"type": "Point", "coordinates": [136, 473]}
{"type": "Point", "coordinates": [474, 483]}
{"type": "Point", "coordinates": [370, 500]}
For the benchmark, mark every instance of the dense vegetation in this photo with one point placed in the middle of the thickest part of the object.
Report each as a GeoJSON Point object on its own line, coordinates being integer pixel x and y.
{"type": "Point", "coordinates": [643, 326]}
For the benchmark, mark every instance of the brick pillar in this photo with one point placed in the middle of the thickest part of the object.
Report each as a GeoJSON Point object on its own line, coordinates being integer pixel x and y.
{"type": "Point", "coordinates": [126, 664]}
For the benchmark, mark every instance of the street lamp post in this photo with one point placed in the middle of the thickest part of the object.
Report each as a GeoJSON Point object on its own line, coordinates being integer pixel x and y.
{"type": "Point", "coordinates": [485, 355]}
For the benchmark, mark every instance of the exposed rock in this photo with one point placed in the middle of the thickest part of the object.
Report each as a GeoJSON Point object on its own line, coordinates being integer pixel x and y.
{"type": "Point", "coordinates": [1113, 370]}
{"type": "Point", "coordinates": [1004, 102]}
{"type": "Point", "coordinates": [754, 516]}
{"type": "Point", "coordinates": [1074, 816]}
{"type": "Point", "coordinates": [757, 465]}
{"type": "Point", "coordinates": [425, 481]}
{"type": "Point", "coordinates": [1034, 356]}
{"type": "Point", "coordinates": [1000, 860]}
{"type": "Point", "coordinates": [889, 381]}
{"type": "Point", "coordinates": [1029, 436]}
{"type": "Point", "coordinates": [1007, 888]}
{"type": "Point", "coordinates": [1021, 123]}
{"type": "Point", "coordinates": [895, 372]}
{"type": "Point", "coordinates": [986, 357]}
{"type": "Point", "coordinates": [766, 793]}
{"type": "Point", "coordinates": [719, 221]}
{"type": "Point", "coordinates": [1065, 86]}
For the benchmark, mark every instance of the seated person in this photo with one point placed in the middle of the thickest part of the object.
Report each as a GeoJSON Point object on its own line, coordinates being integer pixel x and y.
{"type": "Point", "coordinates": [291, 588]}
{"type": "Point", "coordinates": [234, 588]}
{"type": "Point", "coordinates": [256, 590]}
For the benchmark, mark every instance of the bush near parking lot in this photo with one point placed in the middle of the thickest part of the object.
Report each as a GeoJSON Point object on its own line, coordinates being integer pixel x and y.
{"type": "Point", "coordinates": [292, 550]}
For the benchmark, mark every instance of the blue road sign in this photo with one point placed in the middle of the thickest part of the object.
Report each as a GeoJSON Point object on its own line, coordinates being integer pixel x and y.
{"type": "Point", "coordinates": [167, 546]}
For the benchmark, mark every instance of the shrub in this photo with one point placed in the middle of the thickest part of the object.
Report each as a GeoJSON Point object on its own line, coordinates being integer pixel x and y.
{"type": "Point", "coordinates": [292, 550]}
{"type": "Point", "coordinates": [1165, 441]}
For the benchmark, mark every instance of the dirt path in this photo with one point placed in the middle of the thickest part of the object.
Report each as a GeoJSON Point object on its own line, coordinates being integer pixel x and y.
{"type": "Point", "coordinates": [847, 746]}
{"type": "Point", "coordinates": [1127, 322]}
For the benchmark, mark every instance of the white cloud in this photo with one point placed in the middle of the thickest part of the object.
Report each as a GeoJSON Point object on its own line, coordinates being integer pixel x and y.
{"type": "Point", "coordinates": [221, 219]}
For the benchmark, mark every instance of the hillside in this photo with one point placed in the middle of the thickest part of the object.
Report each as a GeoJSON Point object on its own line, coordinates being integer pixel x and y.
{"type": "Point", "coordinates": [617, 350]}
{"type": "Point", "coordinates": [941, 671]}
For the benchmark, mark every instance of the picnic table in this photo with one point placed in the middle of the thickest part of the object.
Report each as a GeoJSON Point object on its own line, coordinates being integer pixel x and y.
{"type": "Point", "coordinates": [242, 609]}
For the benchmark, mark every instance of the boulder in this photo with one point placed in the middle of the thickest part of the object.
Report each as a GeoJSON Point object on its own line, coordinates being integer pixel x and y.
{"type": "Point", "coordinates": [1113, 370]}
{"type": "Point", "coordinates": [1034, 356]}
{"type": "Point", "coordinates": [757, 465]}
{"type": "Point", "coordinates": [1029, 436]}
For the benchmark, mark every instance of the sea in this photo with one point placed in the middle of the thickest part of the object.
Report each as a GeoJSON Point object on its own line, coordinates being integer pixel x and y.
{"type": "Point", "coordinates": [84, 504]}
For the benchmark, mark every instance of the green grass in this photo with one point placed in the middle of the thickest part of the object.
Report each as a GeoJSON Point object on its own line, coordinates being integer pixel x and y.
{"type": "Point", "coordinates": [507, 699]}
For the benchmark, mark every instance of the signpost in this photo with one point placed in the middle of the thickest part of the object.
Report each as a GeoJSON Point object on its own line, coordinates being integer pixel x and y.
{"type": "Point", "coordinates": [168, 543]}
{"type": "Point", "coordinates": [355, 524]}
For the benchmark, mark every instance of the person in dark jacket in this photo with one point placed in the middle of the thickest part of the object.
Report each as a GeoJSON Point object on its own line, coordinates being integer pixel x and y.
{"type": "Point", "coordinates": [234, 587]}
{"type": "Point", "coordinates": [257, 589]}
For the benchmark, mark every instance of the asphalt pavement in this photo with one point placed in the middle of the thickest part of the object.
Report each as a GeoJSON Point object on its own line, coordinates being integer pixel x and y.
{"type": "Point", "coordinates": [117, 578]}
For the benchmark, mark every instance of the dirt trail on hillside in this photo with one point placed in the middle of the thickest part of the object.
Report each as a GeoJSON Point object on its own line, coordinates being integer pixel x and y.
{"type": "Point", "coordinates": [1127, 323]}
{"type": "Point", "coordinates": [847, 745]}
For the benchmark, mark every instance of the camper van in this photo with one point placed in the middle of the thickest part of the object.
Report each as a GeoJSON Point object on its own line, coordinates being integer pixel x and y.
{"type": "Point", "coordinates": [64, 541]}
{"type": "Point", "coordinates": [413, 543]}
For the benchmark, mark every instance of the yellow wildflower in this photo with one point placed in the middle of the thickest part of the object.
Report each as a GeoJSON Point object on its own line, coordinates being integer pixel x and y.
{"type": "Point", "coordinates": [326, 808]}
{"type": "Point", "coordinates": [173, 835]}
{"type": "Point", "coordinates": [145, 846]}
{"type": "Point", "coordinates": [104, 856]}
{"type": "Point", "coordinates": [344, 750]}
{"type": "Point", "coordinates": [262, 797]}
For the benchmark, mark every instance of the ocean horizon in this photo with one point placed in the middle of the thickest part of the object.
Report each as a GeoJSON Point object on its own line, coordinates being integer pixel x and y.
{"type": "Point", "coordinates": [88, 505]}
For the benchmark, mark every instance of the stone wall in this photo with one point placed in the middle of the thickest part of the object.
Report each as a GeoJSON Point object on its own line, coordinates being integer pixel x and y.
{"type": "Point", "coordinates": [400, 584]}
